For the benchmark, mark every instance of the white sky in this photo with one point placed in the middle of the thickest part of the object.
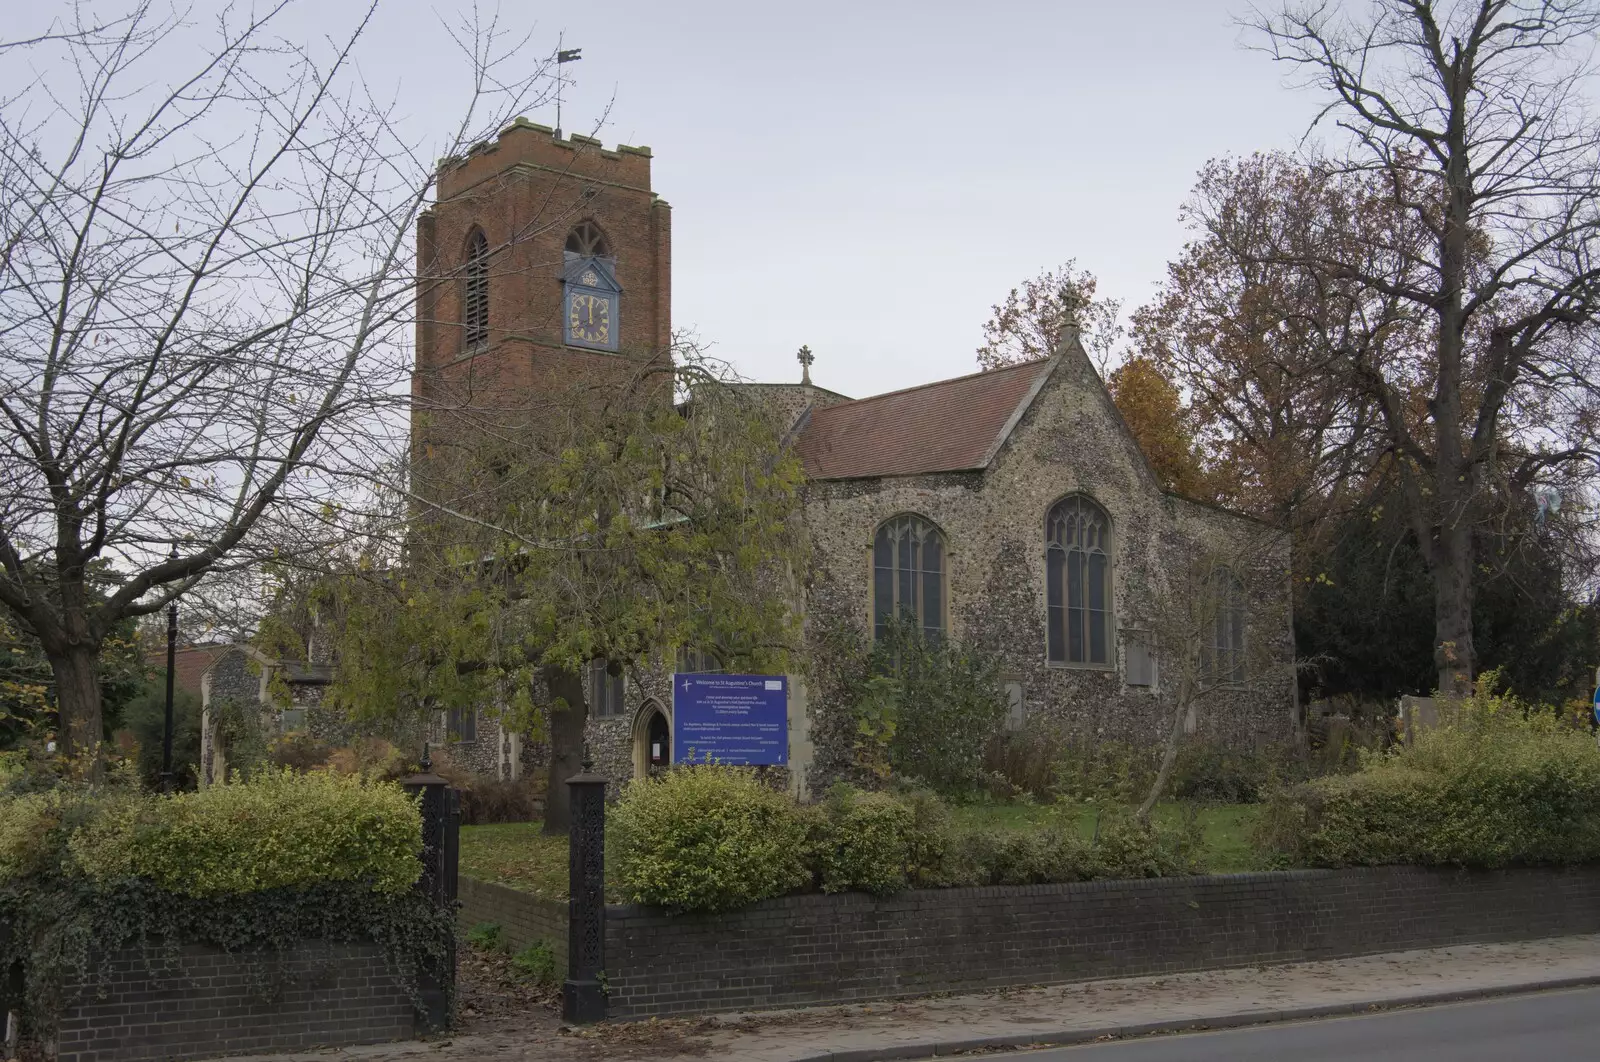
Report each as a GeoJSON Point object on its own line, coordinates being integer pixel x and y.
{"type": "Point", "coordinates": [869, 178]}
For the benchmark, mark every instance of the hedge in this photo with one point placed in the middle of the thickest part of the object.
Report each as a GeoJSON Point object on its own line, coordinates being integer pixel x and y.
{"type": "Point", "coordinates": [709, 838]}
{"type": "Point", "coordinates": [252, 867]}
{"type": "Point", "coordinates": [1499, 784]}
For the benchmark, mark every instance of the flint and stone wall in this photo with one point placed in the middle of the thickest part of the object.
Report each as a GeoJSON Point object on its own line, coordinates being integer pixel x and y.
{"type": "Point", "coordinates": [1071, 440]}
{"type": "Point", "coordinates": [211, 1003]}
{"type": "Point", "coordinates": [813, 949]}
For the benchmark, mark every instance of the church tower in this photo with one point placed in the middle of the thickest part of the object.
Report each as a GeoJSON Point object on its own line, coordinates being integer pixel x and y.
{"type": "Point", "coordinates": [544, 267]}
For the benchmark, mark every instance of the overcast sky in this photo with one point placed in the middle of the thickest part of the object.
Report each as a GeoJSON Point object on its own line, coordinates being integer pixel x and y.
{"type": "Point", "coordinates": [869, 178]}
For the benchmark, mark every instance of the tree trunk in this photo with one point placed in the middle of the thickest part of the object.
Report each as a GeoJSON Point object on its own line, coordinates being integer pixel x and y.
{"type": "Point", "coordinates": [566, 747]}
{"type": "Point", "coordinates": [1169, 755]}
{"type": "Point", "coordinates": [1452, 611]}
{"type": "Point", "coordinates": [77, 677]}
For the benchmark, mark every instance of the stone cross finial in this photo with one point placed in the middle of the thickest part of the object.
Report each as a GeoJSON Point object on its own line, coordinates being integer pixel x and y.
{"type": "Point", "coordinates": [805, 358]}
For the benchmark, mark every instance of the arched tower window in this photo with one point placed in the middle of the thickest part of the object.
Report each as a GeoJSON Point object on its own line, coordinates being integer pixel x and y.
{"type": "Point", "coordinates": [1078, 582]}
{"type": "Point", "coordinates": [586, 240]}
{"type": "Point", "coordinates": [1222, 657]}
{"type": "Point", "coordinates": [475, 292]}
{"type": "Point", "coordinates": [908, 572]}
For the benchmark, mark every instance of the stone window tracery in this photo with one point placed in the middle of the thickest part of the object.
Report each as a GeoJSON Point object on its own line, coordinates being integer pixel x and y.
{"type": "Point", "coordinates": [908, 576]}
{"type": "Point", "coordinates": [1078, 583]}
{"type": "Point", "coordinates": [587, 240]}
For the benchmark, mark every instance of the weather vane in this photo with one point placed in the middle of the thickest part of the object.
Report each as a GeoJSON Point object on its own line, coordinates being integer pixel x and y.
{"type": "Point", "coordinates": [563, 56]}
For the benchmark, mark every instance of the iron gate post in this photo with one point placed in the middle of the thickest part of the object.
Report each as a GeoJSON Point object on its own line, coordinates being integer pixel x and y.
{"type": "Point", "coordinates": [583, 997]}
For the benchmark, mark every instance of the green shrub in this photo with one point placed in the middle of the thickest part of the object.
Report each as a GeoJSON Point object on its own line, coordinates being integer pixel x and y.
{"type": "Point", "coordinates": [707, 838]}
{"type": "Point", "coordinates": [861, 842]}
{"type": "Point", "coordinates": [537, 962]}
{"type": "Point", "coordinates": [29, 833]}
{"type": "Point", "coordinates": [487, 936]}
{"type": "Point", "coordinates": [1499, 785]}
{"type": "Point", "coordinates": [1035, 857]}
{"type": "Point", "coordinates": [1217, 774]}
{"type": "Point", "coordinates": [951, 704]}
{"type": "Point", "coordinates": [1127, 848]}
{"type": "Point", "coordinates": [279, 830]}
{"type": "Point", "coordinates": [1103, 772]}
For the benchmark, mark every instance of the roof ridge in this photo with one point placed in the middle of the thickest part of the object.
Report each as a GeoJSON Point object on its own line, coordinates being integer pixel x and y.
{"type": "Point", "coordinates": [1036, 363]}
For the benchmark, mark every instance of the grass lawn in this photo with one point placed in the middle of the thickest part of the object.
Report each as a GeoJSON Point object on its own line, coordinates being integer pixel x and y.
{"type": "Point", "coordinates": [518, 855]}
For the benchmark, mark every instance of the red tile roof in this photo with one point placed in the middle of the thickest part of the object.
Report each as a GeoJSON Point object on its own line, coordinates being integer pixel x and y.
{"type": "Point", "coordinates": [188, 664]}
{"type": "Point", "coordinates": [947, 426]}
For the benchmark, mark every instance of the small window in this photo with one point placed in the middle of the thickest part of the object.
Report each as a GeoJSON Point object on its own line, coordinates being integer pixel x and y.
{"type": "Point", "coordinates": [1141, 658]}
{"type": "Point", "coordinates": [292, 719]}
{"type": "Point", "coordinates": [475, 293]}
{"type": "Point", "coordinates": [908, 568]}
{"type": "Point", "coordinates": [463, 724]}
{"type": "Point", "coordinates": [606, 692]}
{"type": "Point", "coordinates": [586, 240]}
{"type": "Point", "coordinates": [1222, 654]}
{"type": "Point", "coordinates": [697, 662]}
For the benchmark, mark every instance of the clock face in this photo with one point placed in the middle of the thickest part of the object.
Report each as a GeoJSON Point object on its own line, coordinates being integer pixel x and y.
{"type": "Point", "coordinates": [589, 319]}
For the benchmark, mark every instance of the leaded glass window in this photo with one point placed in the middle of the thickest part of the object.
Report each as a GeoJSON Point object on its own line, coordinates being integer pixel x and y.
{"type": "Point", "coordinates": [1078, 582]}
{"type": "Point", "coordinates": [607, 692]}
{"type": "Point", "coordinates": [1222, 657]}
{"type": "Point", "coordinates": [908, 576]}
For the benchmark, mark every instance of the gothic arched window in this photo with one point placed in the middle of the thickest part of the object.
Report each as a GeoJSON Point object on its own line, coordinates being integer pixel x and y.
{"type": "Point", "coordinates": [1078, 582]}
{"type": "Point", "coordinates": [1222, 654]}
{"type": "Point", "coordinates": [908, 570]}
{"type": "Point", "coordinates": [475, 292]}
{"type": "Point", "coordinates": [586, 240]}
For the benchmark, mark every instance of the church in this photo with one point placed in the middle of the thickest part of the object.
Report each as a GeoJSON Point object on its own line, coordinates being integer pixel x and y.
{"type": "Point", "coordinates": [1009, 509]}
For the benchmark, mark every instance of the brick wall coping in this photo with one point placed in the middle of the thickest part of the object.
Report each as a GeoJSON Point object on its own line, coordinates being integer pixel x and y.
{"type": "Point", "coordinates": [1176, 881]}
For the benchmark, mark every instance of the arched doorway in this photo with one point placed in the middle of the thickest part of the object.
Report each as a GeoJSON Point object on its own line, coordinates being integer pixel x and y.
{"type": "Point", "coordinates": [652, 740]}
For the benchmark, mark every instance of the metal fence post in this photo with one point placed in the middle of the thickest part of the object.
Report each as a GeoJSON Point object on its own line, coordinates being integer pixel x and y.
{"type": "Point", "coordinates": [583, 996]}
{"type": "Point", "coordinates": [441, 815]}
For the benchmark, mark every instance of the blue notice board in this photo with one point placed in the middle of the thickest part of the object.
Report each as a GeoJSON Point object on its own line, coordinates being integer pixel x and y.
{"type": "Point", "coordinates": [733, 719]}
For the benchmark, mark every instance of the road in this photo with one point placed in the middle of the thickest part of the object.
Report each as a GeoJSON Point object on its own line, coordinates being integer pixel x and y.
{"type": "Point", "coordinates": [1546, 1026]}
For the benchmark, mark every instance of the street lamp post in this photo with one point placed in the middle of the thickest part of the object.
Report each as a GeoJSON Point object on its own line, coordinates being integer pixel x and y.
{"type": "Point", "coordinates": [172, 657]}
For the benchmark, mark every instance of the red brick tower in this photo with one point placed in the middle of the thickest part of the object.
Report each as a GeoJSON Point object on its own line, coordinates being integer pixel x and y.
{"type": "Point", "coordinates": [544, 266]}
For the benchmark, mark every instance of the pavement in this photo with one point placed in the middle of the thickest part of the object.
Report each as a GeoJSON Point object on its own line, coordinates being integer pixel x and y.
{"type": "Point", "coordinates": [1550, 1026]}
{"type": "Point", "coordinates": [501, 1026]}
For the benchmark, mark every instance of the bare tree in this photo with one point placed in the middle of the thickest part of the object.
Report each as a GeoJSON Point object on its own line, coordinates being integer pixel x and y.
{"type": "Point", "coordinates": [1219, 630]}
{"type": "Point", "coordinates": [1470, 116]}
{"type": "Point", "coordinates": [205, 232]}
{"type": "Point", "coordinates": [1028, 325]}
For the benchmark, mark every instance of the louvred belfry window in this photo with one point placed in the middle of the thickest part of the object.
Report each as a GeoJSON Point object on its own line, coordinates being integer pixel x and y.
{"type": "Point", "coordinates": [475, 293]}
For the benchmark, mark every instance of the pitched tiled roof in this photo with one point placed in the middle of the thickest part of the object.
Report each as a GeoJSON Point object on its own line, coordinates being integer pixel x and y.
{"type": "Point", "coordinates": [947, 426]}
{"type": "Point", "coordinates": [189, 664]}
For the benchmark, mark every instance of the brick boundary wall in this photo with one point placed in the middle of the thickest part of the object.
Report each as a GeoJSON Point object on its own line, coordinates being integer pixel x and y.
{"type": "Point", "coordinates": [522, 918]}
{"type": "Point", "coordinates": [823, 949]}
{"type": "Point", "coordinates": [210, 1003]}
